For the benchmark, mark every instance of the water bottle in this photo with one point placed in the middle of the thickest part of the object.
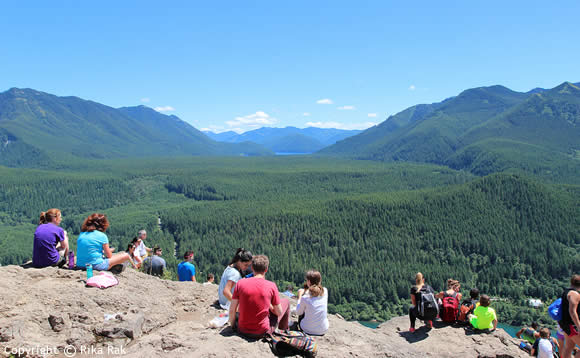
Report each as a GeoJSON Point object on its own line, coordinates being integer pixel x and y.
{"type": "Point", "coordinates": [71, 260]}
{"type": "Point", "coordinates": [89, 271]}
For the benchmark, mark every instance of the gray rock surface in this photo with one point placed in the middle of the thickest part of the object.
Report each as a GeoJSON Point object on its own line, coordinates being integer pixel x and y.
{"type": "Point", "coordinates": [145, 316]}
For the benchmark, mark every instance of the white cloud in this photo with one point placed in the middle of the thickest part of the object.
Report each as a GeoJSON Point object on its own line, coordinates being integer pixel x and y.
{"type": "Point", "coordinates": [412, 87]}
{"type": "Point", "coordinates": [251, 121]}
{"type": "Point", "coordinates": [324, 101]}
{"type": "Point", "coordinates": [338, 125]}
{"type": "Point", "coordinates": [306, 114]}
{"type": "Point", "coordinates": [372, 115]}
{"type": "Point", "coordinates": [145, 100]}
{"type": "Point", "coordinates": [164, 109]}
{"type": "Point", "coordinates": [347, 108]}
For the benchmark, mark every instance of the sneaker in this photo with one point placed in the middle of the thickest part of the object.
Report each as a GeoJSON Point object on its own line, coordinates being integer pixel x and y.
{"type": "Point", "coordinates": [411, 329]}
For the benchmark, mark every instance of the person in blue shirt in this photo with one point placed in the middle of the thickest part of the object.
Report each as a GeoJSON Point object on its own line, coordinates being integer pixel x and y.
{"type": "Point", "coordinates": [186, 270]}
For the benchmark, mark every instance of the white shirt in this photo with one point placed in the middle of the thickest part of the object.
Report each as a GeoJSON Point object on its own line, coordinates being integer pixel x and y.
{"type": "Point", "coordinates": [545, 349]}
{"type": "Point", "coordinates": [315, 309]}
{"type": "Point", "coordinates": [141, 250]}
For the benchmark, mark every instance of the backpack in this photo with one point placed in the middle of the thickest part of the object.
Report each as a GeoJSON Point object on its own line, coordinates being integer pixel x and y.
{"type": "Point", "coordinates": [428, 307]}
{"type": "Point", "coordinates": [464, 310]}
{"type": "Point", "coordinates": [554, 310]}
{"type": "Point", "coordinates": [291, 343]}
{"type": "Point", "coordinates": [450, 309]}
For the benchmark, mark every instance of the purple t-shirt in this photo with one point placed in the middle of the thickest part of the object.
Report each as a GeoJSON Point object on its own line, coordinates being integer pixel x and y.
{"type": "Point", "coordinates": [46, 237]}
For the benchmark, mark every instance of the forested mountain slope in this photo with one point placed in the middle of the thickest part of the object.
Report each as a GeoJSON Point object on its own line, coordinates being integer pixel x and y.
{"type": "Point", "coordinates": [37, 127]}
{"type": "Point", "coordinates": [484, 130]}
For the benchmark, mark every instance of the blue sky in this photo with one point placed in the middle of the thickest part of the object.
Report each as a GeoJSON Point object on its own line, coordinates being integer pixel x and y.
{"type": "Point", "coordinates": [240, 65]}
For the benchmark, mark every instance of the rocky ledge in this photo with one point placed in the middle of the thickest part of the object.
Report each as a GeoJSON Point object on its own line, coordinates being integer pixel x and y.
{"type": "Point", "coordinates": [50, 312]}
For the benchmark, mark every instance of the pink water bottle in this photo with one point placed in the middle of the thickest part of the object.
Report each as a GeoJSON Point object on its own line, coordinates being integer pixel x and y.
{"type": "Point", "coordinates": [71, 260]}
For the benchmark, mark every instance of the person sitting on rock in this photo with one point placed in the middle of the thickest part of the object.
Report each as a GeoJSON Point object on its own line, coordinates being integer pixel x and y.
{"type": "Point", "coordinates": [453, 287]}
{"type": "Point", "coordinates": [186, 269]}
{"type": "Point", "coordinates": [93, 244]}
{"type": "Point", "coordinates": [232, 274]}
{"type": "Point", "coordinates": [155, 265]}
{"type": "Point", "coordinates": [132, 259]}
{"type": "Point", "coordinates": [209, 279]}
{"type": "Point", "coordinates": [312, 305]}
{"type": "Point", "coordinates": [417, 292]}
{"type": "Point", "coordinates": [50, 246]}
{"type": "Point", "coordinates": [258, 302]}
{"type": "Point", "coordinates": [141, 250]}
{"type": "Point", "coordinates": [138, 260]}
{"type": "Point", "coordinates": [529, 334]}
{"type": "Point", "coordinates": [484, 317]}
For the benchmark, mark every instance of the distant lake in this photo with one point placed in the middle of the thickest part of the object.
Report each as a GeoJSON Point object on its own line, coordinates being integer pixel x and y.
{"type": "Point", "coordinates": [290, 153]}
{"type": "Point", "coordinates": [370, 324]}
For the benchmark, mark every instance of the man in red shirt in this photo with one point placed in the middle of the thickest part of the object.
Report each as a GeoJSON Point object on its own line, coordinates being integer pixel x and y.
{"type": "Point", "coordinates": [258, 303]}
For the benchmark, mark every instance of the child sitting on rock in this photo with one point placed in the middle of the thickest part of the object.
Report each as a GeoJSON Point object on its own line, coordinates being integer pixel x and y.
{"type": "Point", "coordinates": [483, 316]}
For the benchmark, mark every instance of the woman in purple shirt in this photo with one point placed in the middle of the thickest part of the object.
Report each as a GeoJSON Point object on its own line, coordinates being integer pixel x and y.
{"type": "Point", "coordinates": [50, 246]}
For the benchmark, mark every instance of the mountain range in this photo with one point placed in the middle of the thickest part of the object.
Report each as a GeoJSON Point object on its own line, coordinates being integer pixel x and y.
{"type": "Point", "coordinates": [287, 140]}
{"type": "Point", "coordinates": [483, 130]}
{"type": "Point", "coordinates": [38, 128]}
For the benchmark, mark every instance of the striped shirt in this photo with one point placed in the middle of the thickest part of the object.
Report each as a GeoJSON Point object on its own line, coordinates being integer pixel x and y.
{"type": "Point", "coordinates": [315, 319]}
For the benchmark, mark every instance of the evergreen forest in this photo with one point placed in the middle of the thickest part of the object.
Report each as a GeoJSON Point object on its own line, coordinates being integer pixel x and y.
{"type": "Point", "coordinates": [367, 226]}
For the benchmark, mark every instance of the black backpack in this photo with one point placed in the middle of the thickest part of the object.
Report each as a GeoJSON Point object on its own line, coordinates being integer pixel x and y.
{"type": "Point", "coordinates": [428, 307]}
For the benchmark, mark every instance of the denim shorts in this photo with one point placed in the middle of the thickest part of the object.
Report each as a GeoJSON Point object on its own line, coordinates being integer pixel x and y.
{"type": "Point", "coordinates": [103, 266]}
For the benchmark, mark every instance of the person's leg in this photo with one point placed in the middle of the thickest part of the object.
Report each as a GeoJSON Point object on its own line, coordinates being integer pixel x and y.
{"type": "Point", "coordinates": [412, 316]}
{"type": "Point", "coordinates": [569, 343]}
{"type": "Point", "coordinates": [281, 321]}
{"type": "Point", "coordinates": [118, 259]}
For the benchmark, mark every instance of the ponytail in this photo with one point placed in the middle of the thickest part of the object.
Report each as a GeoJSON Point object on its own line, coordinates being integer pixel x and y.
{"type": "Point", "coordinates": [48, 216]}
{"type": "Point", "coordinates": [315, 279]}
{"type": "Point", "coordinates": [419, 279]}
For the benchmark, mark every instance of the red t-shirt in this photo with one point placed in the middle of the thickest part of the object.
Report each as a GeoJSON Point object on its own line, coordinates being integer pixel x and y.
{"type": "Point", "coordinates": [255, 296]}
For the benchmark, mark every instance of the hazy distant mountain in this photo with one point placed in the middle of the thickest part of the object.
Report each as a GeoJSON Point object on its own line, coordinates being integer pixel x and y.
{"type": "Point", "coordinates": [484, 130]}
{"type": "Point", "coordinates": [37, 128]}
{"type": "Point", "coordinates": [289, 139]}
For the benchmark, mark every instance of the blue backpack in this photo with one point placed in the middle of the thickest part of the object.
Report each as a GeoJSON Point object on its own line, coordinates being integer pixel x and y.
{"type": "Point", "coordinates": [554, 310]}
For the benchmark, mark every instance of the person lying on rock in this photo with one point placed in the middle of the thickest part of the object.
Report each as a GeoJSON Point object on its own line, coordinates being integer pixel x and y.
{"type": "Point", "coordinates": [50, 247]}
{"type": "Point", "coordinates": [483, 316]}
{"type": "Point", "coordinates": [93, 244]}
{"type": "Point", "coordinates": [258, 302]}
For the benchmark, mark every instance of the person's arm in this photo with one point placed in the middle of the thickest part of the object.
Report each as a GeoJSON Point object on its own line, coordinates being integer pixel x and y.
{"type": "Point", "coordinates": [459, 296]}
{"type": "Point", "coordinates": [494, 324]}
{"type": "Point", "coordinates": [232, 313]}
{"type": "Point", "coordinates": [108, 252]}
{"type": "Point", "coordinates": [277, 310]}
{"type": "Point", "coordinates": [148, 249]}
{"type": "Point", "coordinates": [533, 352]}
{"type": "Point", "coordinates": [228, 290]}
{"type": "Point", "coordinates": [440, 295]}
{"type": "Point", "coordinates": [413, 302]}
{"type": "Point", "coordinates": [519, 333]}
{"type": "Point", "coordinates": [193, 273]}
{"type": "Point", "coordinates": [573, 300]}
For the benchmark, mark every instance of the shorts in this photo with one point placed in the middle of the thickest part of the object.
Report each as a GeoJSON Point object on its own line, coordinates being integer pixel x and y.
{"type": "Point", "coordinates": [560, 333]}
{"type": "Point", "coordinates": [571, 330]}
{"type": "Point", "coordinates": [103, 266]}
